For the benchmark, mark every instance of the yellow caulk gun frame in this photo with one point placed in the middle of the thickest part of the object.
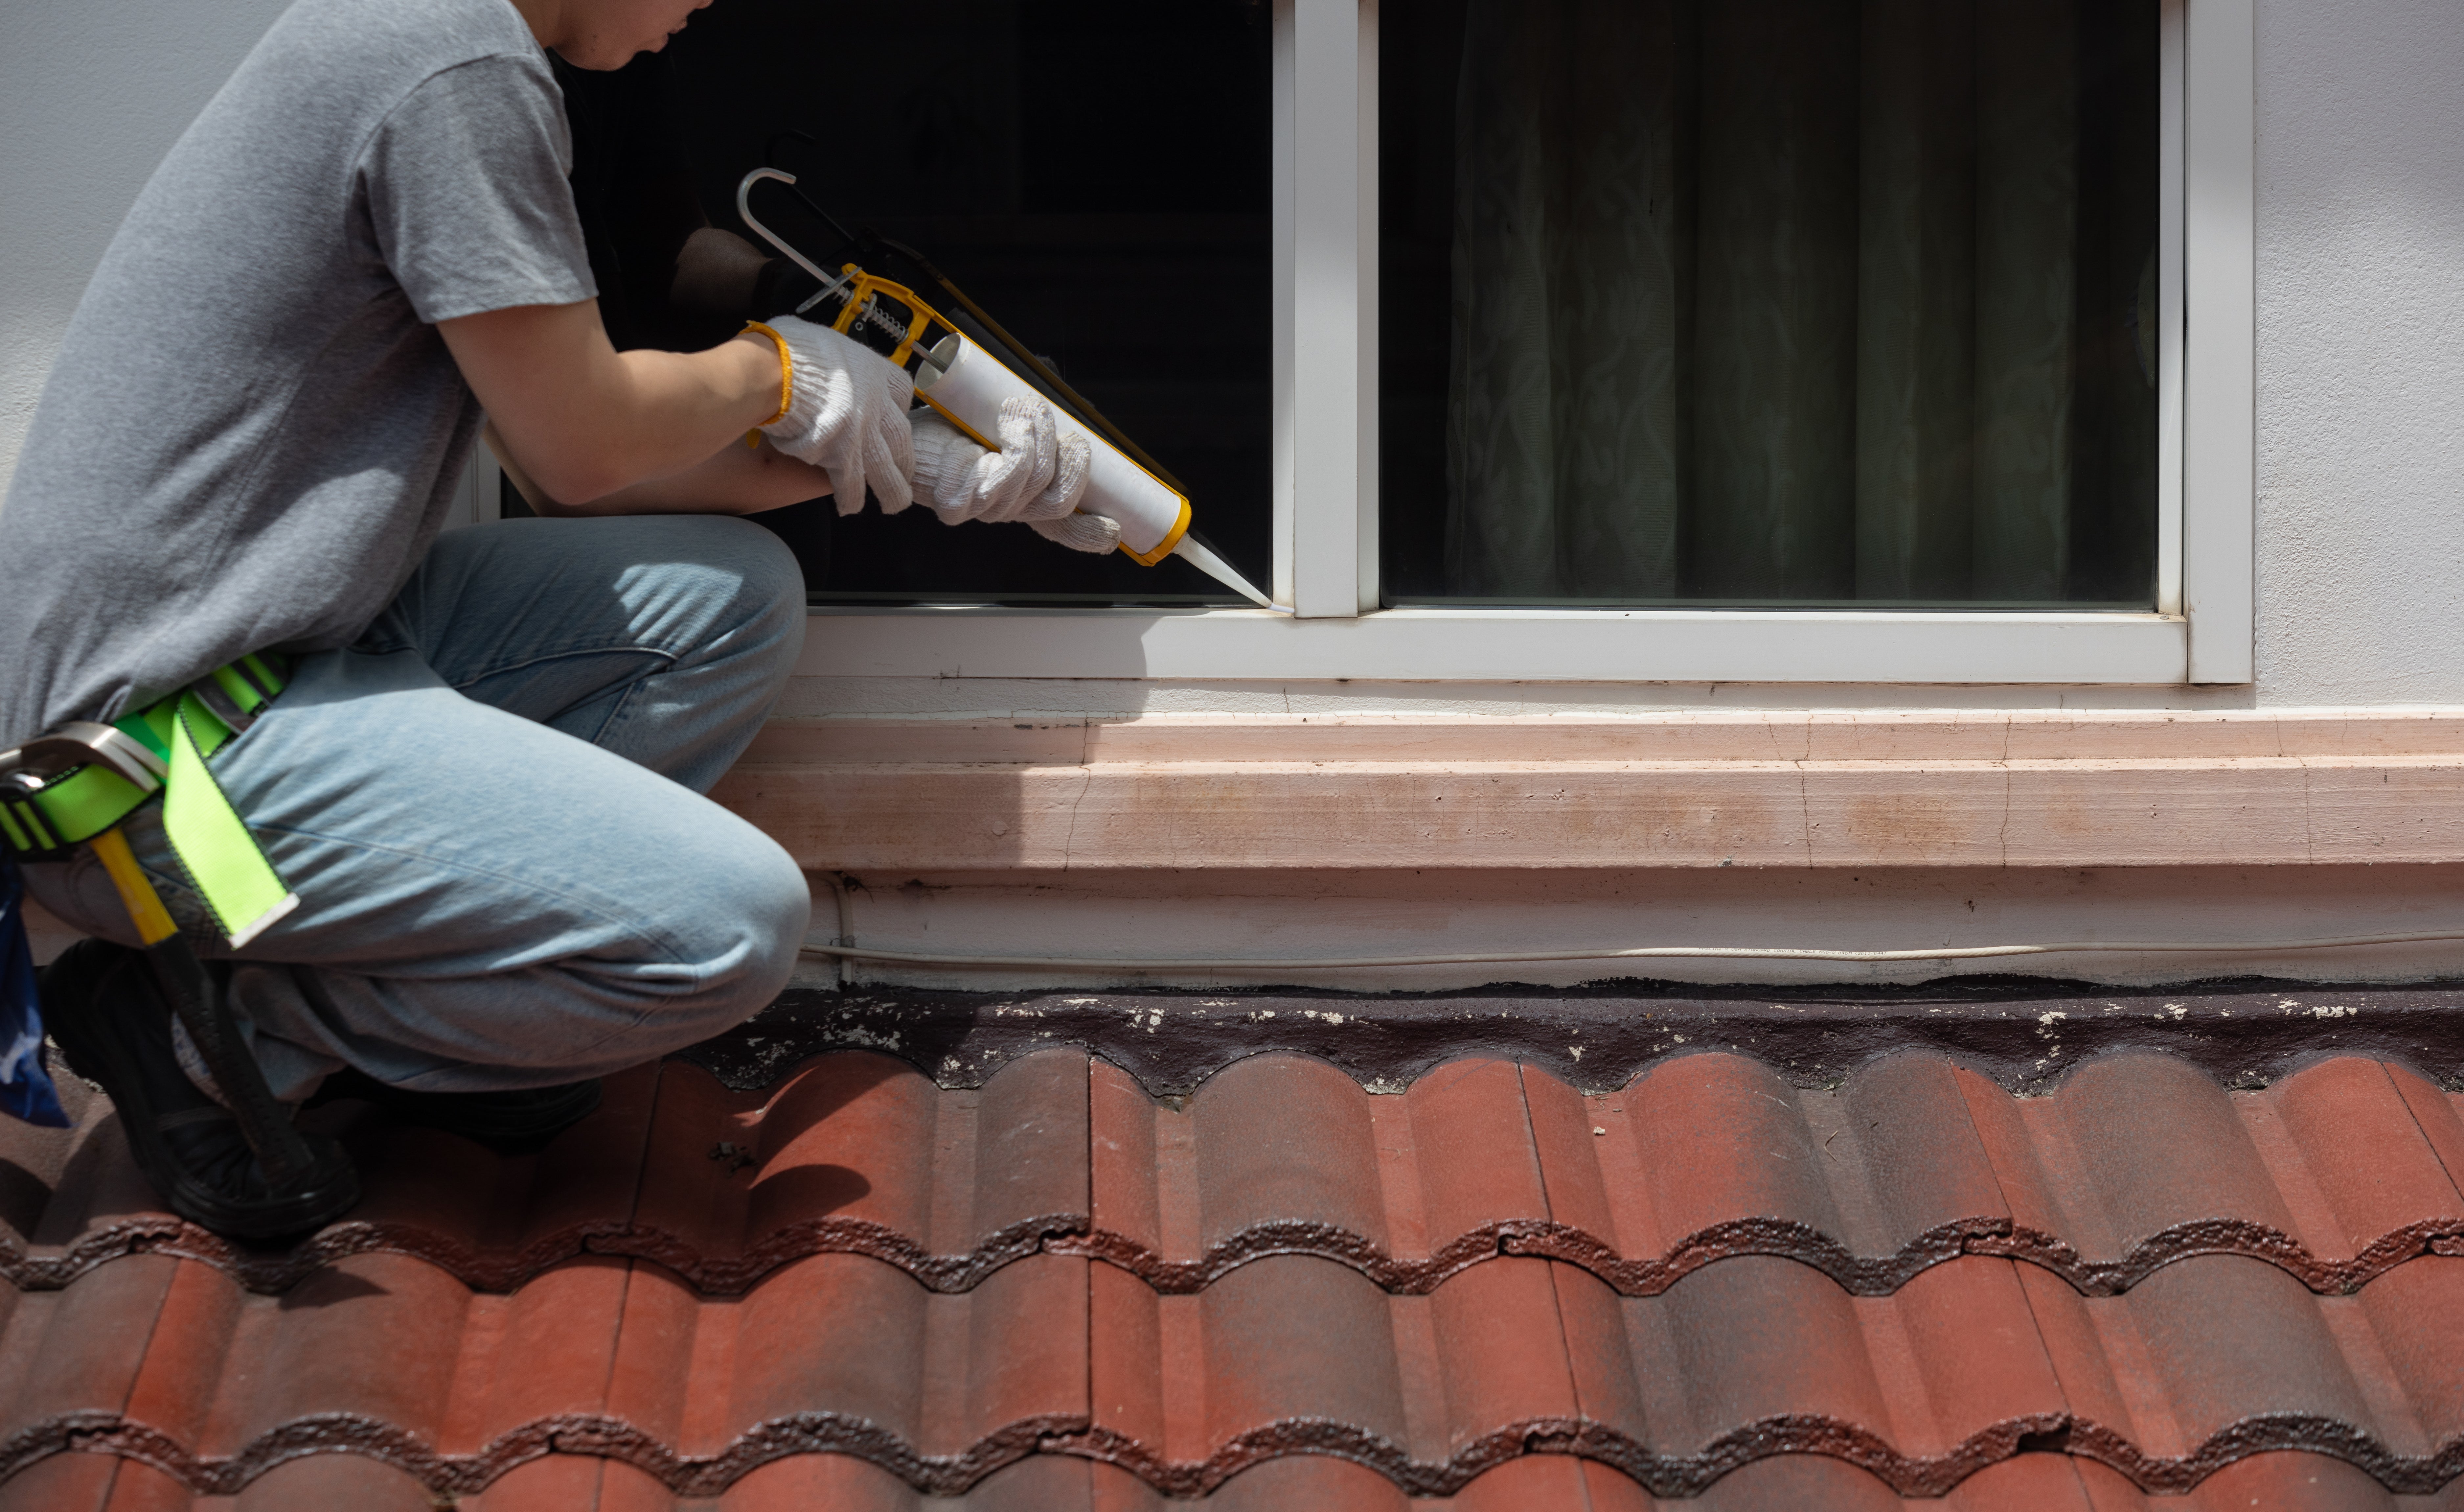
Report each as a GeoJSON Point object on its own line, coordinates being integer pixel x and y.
{"type": "Point", "coordinates": [966, 384]}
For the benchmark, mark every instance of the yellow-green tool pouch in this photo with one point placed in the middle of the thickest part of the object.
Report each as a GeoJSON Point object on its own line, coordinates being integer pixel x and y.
{"type": "Point", "coordinates": [160, 749]}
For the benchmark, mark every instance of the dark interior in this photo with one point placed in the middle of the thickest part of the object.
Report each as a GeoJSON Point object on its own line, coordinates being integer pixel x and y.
{"type": "Point", "coordinates": [2113, 428]}
{"type": "Point", "coordinates": [1095, 174]}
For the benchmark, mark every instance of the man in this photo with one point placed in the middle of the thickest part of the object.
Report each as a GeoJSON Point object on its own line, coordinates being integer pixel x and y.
{"type": "Point", "coordinates": [482, 772]}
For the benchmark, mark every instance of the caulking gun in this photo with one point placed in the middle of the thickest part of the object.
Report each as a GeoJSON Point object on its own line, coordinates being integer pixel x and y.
{"type": "Point", "coordinates": [956, 372]}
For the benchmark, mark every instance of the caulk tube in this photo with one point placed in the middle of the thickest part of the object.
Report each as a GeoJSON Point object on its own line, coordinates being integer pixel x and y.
{"type": "Point", "coordinates": [970, 385]}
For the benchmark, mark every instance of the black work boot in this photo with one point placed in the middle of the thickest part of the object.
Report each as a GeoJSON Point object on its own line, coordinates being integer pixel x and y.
{"type": "Point", "coordinates": [103, 1008]}
{"type": "Point", "coordinates": [508, 1123]}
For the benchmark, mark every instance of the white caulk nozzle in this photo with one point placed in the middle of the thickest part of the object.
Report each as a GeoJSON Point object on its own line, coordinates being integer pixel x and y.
{"type": "Point", "coordinates": [1220, 571]}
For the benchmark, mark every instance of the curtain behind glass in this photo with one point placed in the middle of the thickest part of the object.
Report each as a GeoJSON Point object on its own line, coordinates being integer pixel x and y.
{"type": "Point", "coordinates": [1781, 301]}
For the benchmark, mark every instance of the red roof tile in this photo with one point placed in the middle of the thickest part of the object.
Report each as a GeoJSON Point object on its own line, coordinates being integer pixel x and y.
{"type": "Point", "coordinates": [2037, 1482]}
{"type": "Point", "coordinates": [858, 1290]}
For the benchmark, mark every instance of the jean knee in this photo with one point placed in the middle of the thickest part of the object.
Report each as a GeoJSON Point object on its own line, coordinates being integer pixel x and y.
{"type": "Point", "coordinates": [765, 571]}
{"type": "Point", "coordinates": [758, 916]}
{"type": "Point", "coordinates": [770, 567]}
{"type": "Point", "coordinates": [778, 917]}
{"type": "Point", "coordinates": [763, 578]}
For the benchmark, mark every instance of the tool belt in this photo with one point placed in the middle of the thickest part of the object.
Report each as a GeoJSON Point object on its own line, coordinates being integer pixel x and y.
{"type": "Point", "coordinates": [162, 749]}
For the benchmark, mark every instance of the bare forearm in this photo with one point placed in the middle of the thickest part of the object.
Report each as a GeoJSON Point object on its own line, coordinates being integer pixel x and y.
{"type": "Point", "coordinates": [584, 422]}
{"type": "Point", "coordinates": [649, 414]}
{"type": "Point", "coordinates": [734, 480]}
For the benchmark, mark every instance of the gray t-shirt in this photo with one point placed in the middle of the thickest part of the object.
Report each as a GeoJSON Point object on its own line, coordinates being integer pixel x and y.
{"type": "Point", "coordinates": [253, 430]}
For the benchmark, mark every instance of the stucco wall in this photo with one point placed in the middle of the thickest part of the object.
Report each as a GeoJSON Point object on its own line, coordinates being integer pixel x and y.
{"type": "Point", "coordinates": [2361, 351]}
{"type": "Point", "coordinates": [91, 97]}
{"type": "Point", "coordinates": [2361, 335]}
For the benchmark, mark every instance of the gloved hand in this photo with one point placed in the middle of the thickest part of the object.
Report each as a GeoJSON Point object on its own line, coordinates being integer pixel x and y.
{"type": "Point", "coordinates": [1080, 532]}
{"type": "Point", "coordinates": [847, 414]}
{"type": "Point", "coordinates": [1037, 477]}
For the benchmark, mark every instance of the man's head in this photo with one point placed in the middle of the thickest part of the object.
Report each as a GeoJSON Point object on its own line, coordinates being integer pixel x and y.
{"type": "Point", "coordinates": [606, 33]}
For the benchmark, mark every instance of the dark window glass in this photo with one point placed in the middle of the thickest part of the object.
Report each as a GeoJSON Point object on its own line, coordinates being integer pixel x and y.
{"type": "Point", "coordinates": [1095, 174]}
{"type": "Point", "coordinates": [1796, 302]}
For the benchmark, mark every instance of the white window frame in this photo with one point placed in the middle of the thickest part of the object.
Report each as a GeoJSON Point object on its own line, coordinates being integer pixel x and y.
{"type": "Point", "coordinates": [1326, 557]}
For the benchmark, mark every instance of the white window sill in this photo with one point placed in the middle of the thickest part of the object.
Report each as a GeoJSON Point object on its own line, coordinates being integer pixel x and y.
{"type": "Point", "coordinates": [1447, 645]}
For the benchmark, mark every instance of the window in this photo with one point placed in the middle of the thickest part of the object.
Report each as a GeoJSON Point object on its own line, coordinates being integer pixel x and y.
{"type": "Point", "coordinates": [1824, 303]}
{"type": "Point", "coordinates": [2180, 614]}
{"type": "Point", "coordinates": [1094, 172]}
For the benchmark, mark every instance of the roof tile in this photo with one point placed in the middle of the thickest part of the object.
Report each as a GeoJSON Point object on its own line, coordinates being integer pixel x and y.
{"type": "Point", "coordinates": [562, 1482]}
{"type": "Point", "coordinates": [2039, 1483]}
{"type": "Point", "coordinates": [838, 1483]}
{"type": "Point", "coordinates": [1471, 1155]}
{"type": "Point", "coordinates": [1542, 1480]}
{"type": "Point", "coordinates": [545, 1351]}
{"type": "Point", "coordinates": [2309, 1483]}
{"type": "Point", "coordinates": [1799, 1480]}
{"type": "Point", "coordinates": [1871, 1184]}
{"type": "Point", "coordinates": [305, 1355]}
{"type": "Point", "coordinates": [1281, 1140]}
{"type": "Point", "coordinates": [1908, 1148]}
{"type": "Point", "coordinates": [2362, 1152]}
{"type": "Point", "coordinates": [1289, 1340]}
{"type": "Point", "coordinates": [2415, 1317]}
{"type": "Point", "coordinates": [2138, 1145]}
{"type": "Point", "coordinates": [496, 1221]}
{"type": "Point", "coordinates": [2232, 1339]}
{"type": "Point", "coordinates": [1736, 1130]}
{"type": "Point", "coordinates": [1314, 1481]}
{"type": "Point", "coordinates": [859, 1153]}
{"type": "Point", "coordinates": [190, 1341]}
{"type": "Point", "coordinates": [1053, 1291]}
{"type": "Point", "coordinates": [2108, 1490]}
{"type": "Point", "coordinates": [77, 1351]}
{"type": "Point", "coordinates": [315, 1481]}
{"type": "Point", "coordinates": [66, 1484]}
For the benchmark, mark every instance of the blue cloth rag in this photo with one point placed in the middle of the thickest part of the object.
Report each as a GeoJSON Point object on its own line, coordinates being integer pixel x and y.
{"type": "Point", "coordinates": [25, 1089]}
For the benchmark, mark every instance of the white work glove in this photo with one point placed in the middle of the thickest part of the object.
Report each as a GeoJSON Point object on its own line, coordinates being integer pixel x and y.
{"type": "Point", "coordinates": [847, 414]}
{"type": "Point", "coordinates": [1079, 532]}
{"type": "Point", "coordinates": [1035, 479]}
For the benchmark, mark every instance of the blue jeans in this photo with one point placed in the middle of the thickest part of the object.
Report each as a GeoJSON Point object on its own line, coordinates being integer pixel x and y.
{"type": "Point", "coordinates": [491, 809]}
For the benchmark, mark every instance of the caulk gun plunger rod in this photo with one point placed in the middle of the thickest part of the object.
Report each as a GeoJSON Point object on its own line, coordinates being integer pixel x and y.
{"type": "Point", "coordinates": [1207, 562]}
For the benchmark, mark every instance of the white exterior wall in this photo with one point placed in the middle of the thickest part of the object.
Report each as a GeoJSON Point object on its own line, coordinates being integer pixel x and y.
{"type": "Point", "coordinates": [91, 97]}
{"type": "Point", "coordinates": [2359, 540]}
{"type": "Point", "coordinates": [2361, 351]}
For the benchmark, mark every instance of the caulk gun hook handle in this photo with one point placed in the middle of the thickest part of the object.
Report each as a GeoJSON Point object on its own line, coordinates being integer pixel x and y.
{"type": "Point", "coordinates": [744, 212]}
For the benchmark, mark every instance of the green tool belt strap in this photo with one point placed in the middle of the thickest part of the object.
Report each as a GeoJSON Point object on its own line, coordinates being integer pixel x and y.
{"type": "Point", "coordinates": [222, 860]}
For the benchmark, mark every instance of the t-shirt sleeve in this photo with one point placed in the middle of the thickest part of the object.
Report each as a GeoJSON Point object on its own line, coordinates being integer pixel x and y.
{"type": "Point", "coordinates": [465, 188]}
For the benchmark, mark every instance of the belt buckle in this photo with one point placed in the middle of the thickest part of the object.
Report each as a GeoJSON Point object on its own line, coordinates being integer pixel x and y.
{"type": "Point", "coordinates": [81, 743]}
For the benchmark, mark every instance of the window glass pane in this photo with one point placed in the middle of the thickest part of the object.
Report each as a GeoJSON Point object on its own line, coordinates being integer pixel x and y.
{"type": "Point", "coordinates": [1807, 302]}
{"type": "Point", "coordinates": [1095, 174]}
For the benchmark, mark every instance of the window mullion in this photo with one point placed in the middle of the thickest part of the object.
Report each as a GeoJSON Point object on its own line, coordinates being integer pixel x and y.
{"type": "Point", "coordinates": [2218, 419]}
{"type": "Point", "coordinates": [1284, 168]}
{"type": "Point", "coordinates": [1365, 498]}
{"type": "Point", "coordinates": [2171, 162]}
{"type": "Point", "coordinates": [1321, 344]}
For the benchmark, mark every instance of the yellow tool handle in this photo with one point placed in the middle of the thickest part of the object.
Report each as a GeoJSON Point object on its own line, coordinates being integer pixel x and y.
{"type": "Point", "coordinates": [137, 893]}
